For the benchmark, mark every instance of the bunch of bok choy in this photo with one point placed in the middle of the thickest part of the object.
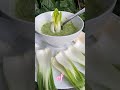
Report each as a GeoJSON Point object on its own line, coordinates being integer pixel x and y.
{"type": "Point", "coordinates": [63, 64]}
{"type": "Point", "coordinates": [44, 75]}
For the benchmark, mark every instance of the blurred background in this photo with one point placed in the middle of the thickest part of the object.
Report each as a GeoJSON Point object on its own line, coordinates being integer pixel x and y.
{"type": "Point", "coordinates": [105, 45]}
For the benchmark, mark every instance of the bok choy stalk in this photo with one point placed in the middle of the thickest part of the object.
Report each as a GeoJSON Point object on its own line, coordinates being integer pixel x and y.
{"type": "Point", "coordinates": [56, 21]}
{"type": "Point", "coordinates": [75, 54]}
{"type": "Point", "coordinates": [44, 75]}
{"type": "Point", "coordinates": [68, 69]}
{"type": "Point", "coordinates": [80, 46]}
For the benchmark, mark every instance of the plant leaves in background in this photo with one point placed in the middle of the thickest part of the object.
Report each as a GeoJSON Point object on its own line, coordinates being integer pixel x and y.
{"type": "Point", "coordinates": [62, 5]}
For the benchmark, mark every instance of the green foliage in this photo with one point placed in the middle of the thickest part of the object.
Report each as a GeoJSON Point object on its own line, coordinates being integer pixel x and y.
{"type": "Point", "coordinates": [62, 5]}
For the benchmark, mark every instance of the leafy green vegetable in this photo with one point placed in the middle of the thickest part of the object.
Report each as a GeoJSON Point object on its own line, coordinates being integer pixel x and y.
{"type": "Point", "coordinates": [56, 20]}
{"type": "Point", "coordinates": [66, 67]}
{"type": "Point", "coordinates": [82, 16]}
{"type": "Point", "coordinates": [44, 75]}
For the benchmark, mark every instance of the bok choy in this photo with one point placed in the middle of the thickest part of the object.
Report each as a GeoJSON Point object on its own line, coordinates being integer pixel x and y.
{"type": "Point", "coordinates": [75, 54]}
{"type": "Point", "coordinates": [44, 75]}
{"type": "Point", "coordinates": [56, 21]}
{"type": "Point", "coordinates": [68, 69]}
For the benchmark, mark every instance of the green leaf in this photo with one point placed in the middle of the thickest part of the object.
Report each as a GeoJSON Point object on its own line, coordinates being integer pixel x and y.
{"type": "Point", "coordinates": [56, 20]}
{"type": "Point", "coordinates": [62, 5]}
{"type": "Point", "coordinates": [48, 4]}
{"type": "Point", "coordinates": [55, 15]}
{"type": "Point", "coordinates": [82, 16]}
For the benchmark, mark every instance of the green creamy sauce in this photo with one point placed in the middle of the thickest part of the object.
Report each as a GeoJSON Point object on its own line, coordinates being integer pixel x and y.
{"type": "Point", "coordinates": [68, 29]}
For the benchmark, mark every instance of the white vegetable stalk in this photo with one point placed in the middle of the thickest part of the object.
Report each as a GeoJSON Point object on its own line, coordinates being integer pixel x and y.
{"type": "Point", "coordinates": [52, 27]}
{"type": "Point", "coordinates": [63, 60]}
{"type": "Point", "coordinates": [56, 21]}
{"type": "Point", "coordinates": [44, 74]}
{"type": "Point", "coordinates": [80, 46]}
{"type": "Point", "coordinates": [58, 27]}
{"type": "Point", "coordinates": [66, 67]}
{"type": "Point", "coordinates": [75, 55]}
